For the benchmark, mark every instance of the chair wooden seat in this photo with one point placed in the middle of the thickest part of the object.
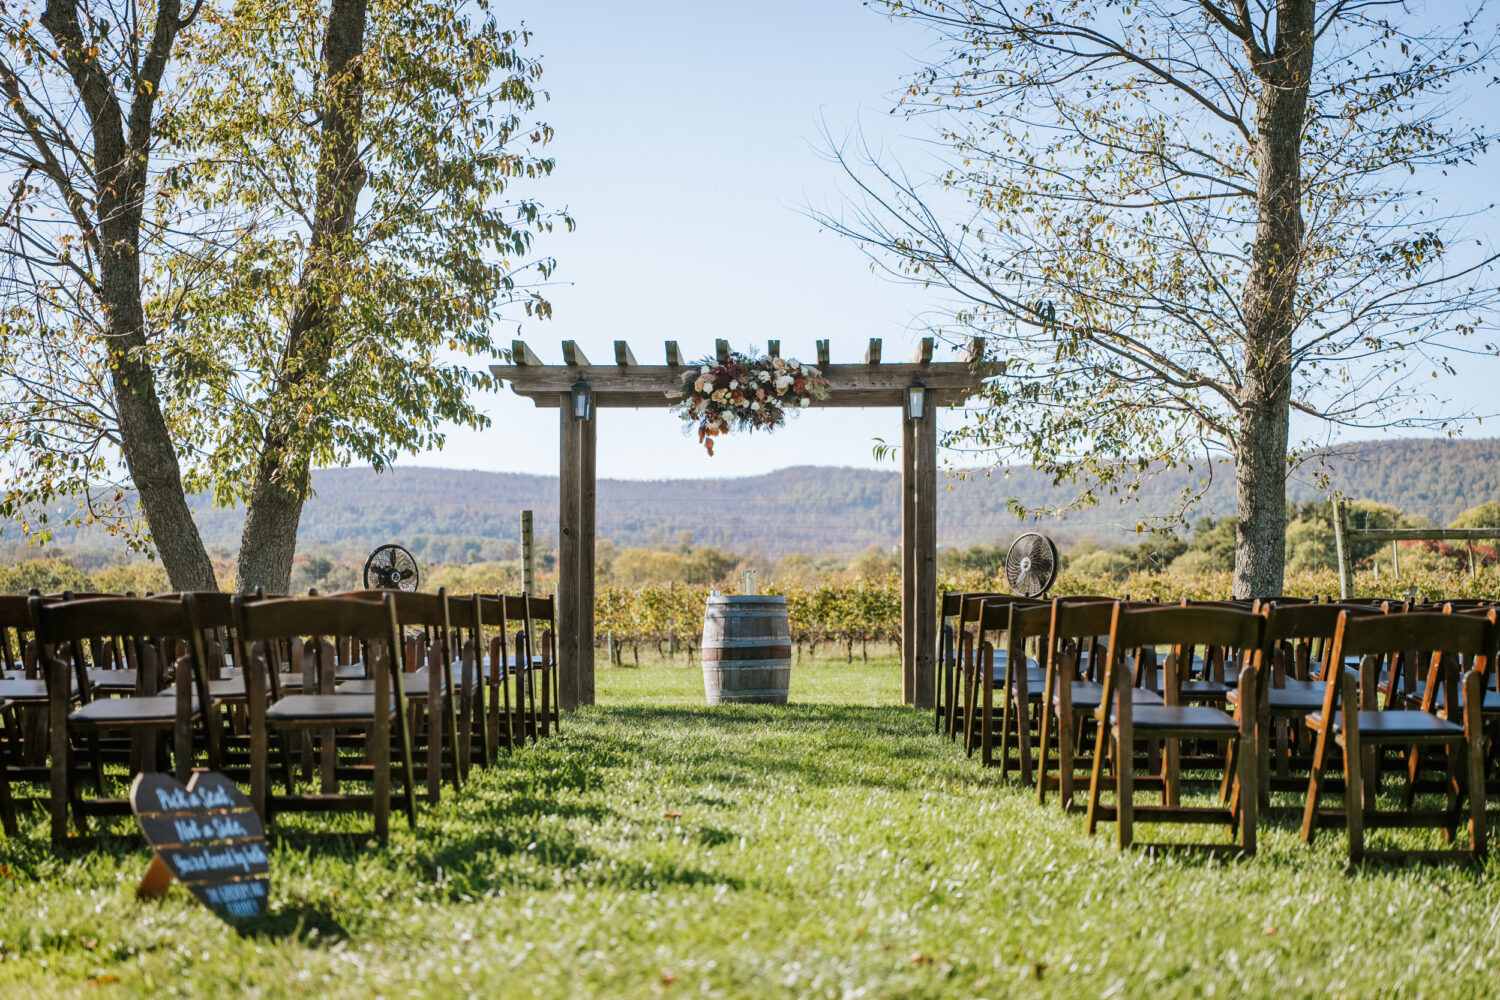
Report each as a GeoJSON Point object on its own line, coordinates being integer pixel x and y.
{"type": "Point", "coordinates": [113, 681]}
{"type": "Point", "coordinates": [417, 692]}
{"type": "Point", "coordinates": [301, 709]}
{"type": "Point", "coordinates": [227, 689]}
{"type": "Point", "coordinates": [417, 686]}
{"type": "Point", "coordinates": [1205, 690]}
{"type": "Point", "coordinates": [26, 692]}
{"type": "Point", "coordinates": [1185, 720]}
{"type": "Point", "coordinates": [1290, 699]}
{"type": "Point", "coordinates": [1088, 694]}
{"type": "Point", "coordinates": [286, 681]}
{"type": "Point", "coordinates": [1413, 725]}
{"type": "Point", "coordinates": [1489, 706]}
{"type": "Point", "coordinates": [110, 713]}
{"type": "Point", "coordinates": [1297, 696]}
{"type": "Point", "coordinates": [1036, 679]}
{"type": "Point", "coordinates": [1230, 682]}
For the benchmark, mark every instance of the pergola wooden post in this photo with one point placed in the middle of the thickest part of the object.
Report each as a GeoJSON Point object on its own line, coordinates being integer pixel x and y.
{"type": "Point", "coordinates": [625, 383]}
{"type": "Point", "coordinates": [918, 557]}
{"type": "Point", "coordinates": [575, 543]}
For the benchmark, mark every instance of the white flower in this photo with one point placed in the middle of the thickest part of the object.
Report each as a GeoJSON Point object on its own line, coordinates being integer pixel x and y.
{"type": "Point", "coordinates": [754, 406]}
{"type": "Point", "coordinates": [734, 385]}
{"type": "Point", "coordinates": [706, 369]}
{"type": "Point", "coordinates": [784, 383]}
{"type": "Point", "coordinates": [765, 376]}
{"type": "Point", "coordinates": [804, 401]}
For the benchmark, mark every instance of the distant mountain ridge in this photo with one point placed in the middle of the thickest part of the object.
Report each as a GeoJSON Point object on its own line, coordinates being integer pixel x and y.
{"type": "Point", "coordinates": [447, 515]}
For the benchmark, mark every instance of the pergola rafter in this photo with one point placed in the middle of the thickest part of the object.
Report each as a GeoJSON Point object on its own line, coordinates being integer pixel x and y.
{"type": "Point", "coordinates": [623, 382]}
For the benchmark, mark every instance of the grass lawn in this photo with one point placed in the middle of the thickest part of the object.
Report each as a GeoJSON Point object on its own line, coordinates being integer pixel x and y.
{"type": "Point", "coordinates": [831, 848]}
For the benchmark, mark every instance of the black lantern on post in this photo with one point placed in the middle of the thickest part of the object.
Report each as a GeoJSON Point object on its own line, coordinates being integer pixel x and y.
{"type": "Point", "coordinates": [916, 400]}
{"type": "Point", "coordinates": [583, 400]}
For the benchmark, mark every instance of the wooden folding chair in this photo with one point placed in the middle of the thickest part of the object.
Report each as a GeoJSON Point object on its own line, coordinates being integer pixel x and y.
{"type": "Point", "coordinates": [1360, 730]}
{"type": "Point", "coordinates": [946, 682]}
{"type": "Point", "coordinates": [1122, 721]}
{"type": "Point", "coordinates": [1297, 636]}
{"type": "Point", "coordinates": [23, 708]}
{"type": "Point", "coordinates": [501, 663]}
{"type": "Point", "coordinates": [981, 615]}
{"type": "Point", "coordinates": [542, 628]}
{"type": "Point", "coordinates": [150, 634]}
{"type": "Point", "coordinates": [470, 679]}
{"type": "Point", "coordinates": [429, 662]}
{"type": "Point", "coordinates": [1022, 685]}
{"type": "Point", "coordinates": [518, 651]}
{"type": "Point", "coordinates": [264, 630]}
{"type": "Point", "coordinates": [1077, 638]}
{"type": "Point", "coordinates": [966, 652]}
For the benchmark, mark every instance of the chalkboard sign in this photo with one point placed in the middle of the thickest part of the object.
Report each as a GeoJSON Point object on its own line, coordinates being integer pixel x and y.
{"type": "Point", "coordinates": [209, 837]}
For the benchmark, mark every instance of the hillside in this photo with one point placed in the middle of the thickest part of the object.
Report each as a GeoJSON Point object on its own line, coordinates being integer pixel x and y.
{"type": "Point", "coordinates": [445, 515]}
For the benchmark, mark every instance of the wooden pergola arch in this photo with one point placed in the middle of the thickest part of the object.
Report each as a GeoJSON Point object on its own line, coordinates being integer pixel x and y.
{"type": "Point", "coordinates": [627, 383]}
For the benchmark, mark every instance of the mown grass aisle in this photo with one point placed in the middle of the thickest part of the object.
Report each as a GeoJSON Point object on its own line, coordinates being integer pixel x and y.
{"type": "Point", "coordinates": [832, 848]}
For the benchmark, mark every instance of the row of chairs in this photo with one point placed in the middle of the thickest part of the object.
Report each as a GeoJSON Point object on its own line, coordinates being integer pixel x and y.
{"type": "Point", "coordinates": [319, 692]}
{"type": "Point", "coordinates": [1124, 695]}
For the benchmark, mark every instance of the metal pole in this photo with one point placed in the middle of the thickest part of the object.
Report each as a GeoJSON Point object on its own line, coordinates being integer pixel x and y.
{"type": "Point", "coordinates": [528, 555]}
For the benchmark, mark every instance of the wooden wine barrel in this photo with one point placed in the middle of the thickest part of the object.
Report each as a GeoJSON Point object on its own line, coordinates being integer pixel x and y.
{"type": "Point", "coordinates": [747, 650]}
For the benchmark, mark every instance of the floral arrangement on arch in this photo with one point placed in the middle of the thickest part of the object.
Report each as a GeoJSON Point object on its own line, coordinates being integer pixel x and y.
{"type": "Point", "coordinates": [746, 393]}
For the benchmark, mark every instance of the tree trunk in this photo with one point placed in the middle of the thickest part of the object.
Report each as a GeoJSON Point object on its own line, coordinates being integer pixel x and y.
{"type": "Point", "coordinates": [1270, 304]}
{"type": "Point", "coordinates": [282, 473]}
{"type": "Point", "coordinates": [150, 454]}
{"type": "Point", "coordinates": [269, 540]}
{"type": "Point", "coordinates": [121, 158]}
{"type": "Point", "coordinates": [1260, 496]}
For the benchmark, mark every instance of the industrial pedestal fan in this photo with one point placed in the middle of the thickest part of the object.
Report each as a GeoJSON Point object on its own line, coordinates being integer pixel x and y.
{"type": "Point", "coordinates": [1031, 565]}
{"type": "Point", "coordinates": [391, 567]}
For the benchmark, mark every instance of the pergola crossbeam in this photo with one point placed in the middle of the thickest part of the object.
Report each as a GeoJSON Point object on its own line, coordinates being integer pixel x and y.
{"type": "Point", "coordinates": [523, 355]}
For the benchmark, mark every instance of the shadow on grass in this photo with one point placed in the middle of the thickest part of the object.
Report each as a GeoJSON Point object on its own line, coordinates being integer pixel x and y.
{"type": "Point", "coordinates": [308, 923]}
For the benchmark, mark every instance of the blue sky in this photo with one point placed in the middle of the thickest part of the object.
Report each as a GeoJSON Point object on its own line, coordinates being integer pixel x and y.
{"type": "Point", "coordinates": [688, 139]}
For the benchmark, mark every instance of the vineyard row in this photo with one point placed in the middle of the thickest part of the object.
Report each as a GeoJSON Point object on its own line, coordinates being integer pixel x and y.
{"type": "Point", "coordinates": [862, 611]}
